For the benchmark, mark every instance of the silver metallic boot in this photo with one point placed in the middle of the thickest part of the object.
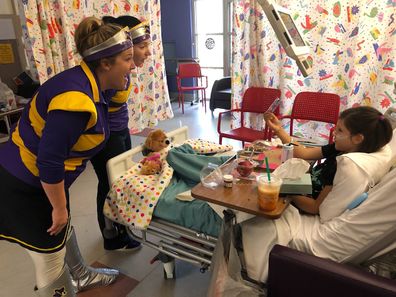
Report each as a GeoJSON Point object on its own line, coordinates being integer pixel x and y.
{"type": "Point", "coordinates": [61, 287]}
{"type": "Point", "coordinates": [85, 277]}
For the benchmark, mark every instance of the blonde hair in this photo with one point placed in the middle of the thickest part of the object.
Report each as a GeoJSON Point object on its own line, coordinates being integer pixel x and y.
{"type": "Point", "coordinates": [91, 32]}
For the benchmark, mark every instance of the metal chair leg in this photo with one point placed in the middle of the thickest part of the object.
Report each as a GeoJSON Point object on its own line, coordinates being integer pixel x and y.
{"type": "Point", "coordinates": [182, 102]}
{"type": "Point", "coordinates": [204, 98]}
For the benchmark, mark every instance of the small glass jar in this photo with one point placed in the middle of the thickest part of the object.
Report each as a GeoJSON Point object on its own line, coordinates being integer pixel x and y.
{"type": "Point", "coordinates": [228, 180]}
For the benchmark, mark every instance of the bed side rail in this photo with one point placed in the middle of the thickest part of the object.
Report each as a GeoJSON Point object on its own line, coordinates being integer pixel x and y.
{"type": "Point", "coordinates": [178, 242]}
{"type": "Point", "coordinates": [383, 244]}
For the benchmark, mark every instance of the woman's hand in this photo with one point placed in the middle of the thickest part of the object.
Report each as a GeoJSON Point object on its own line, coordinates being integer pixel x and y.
{"type": "Point", "coordinates": [60, 217]}
{"type": "Point", "coordinates": [272, 122]}
{"type": "Point", "coordinates": [57, 197]}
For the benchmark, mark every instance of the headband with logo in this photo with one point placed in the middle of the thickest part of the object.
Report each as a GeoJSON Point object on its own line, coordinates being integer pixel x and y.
{"type": "Point", "coordinates": [140, 32]}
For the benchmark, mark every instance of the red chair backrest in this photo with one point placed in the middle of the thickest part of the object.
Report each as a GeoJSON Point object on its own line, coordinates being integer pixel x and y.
{"type": "Point", "coordinates": [257, 99]}
{"type": "Point", "coordinates": [314, 106]}
{"type": "Point", "coordinates": [189, 70]}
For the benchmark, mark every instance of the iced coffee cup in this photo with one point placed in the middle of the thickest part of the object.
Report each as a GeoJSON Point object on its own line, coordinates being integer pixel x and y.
{"type": "Point", "coordinates": [268, 192]}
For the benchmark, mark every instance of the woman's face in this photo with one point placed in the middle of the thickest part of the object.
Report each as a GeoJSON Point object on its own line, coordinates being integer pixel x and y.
{"type": "Point", "coordinates": [344, 140]}
{"type": "Point", "coordinates": [141, 51]}
{"type": "Point", "coordinates": [119, 70]}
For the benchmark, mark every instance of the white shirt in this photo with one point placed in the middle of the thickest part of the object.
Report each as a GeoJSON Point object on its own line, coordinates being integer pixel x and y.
{"type": "Point", "coordinates": [356, 173]}
{"type": "Point", "coordinates": [336, 234]}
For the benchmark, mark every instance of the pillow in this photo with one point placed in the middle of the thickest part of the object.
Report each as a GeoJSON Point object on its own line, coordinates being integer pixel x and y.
{"type": "Point", "coordinates": [392, 145]}
{"type": "Point", "coordinates": [347, 234]}
{"type": "Point", "coordinates": [202, 146]}
{"type": "Point", "coordinates": [357, 201]}
{"type": "Point", "coordinates": [390, 114]}
{"type": "Point", "coordinates": [350, 181]}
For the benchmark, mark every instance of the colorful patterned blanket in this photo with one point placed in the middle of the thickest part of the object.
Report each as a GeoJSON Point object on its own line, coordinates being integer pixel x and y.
{"type": "Point", "coordinates": [133, 196]}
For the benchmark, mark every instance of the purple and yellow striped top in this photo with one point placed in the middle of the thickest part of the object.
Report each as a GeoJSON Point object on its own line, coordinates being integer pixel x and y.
{"type": "Point", "coordinates": [62, 127]}
{"type": "Point", "coordinates": [118, 108]}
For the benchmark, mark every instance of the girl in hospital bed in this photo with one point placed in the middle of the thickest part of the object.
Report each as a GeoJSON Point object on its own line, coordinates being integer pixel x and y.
{"type": "Point", "coordinates": [355, 162]}
{"type": "Point", "coordinates": [360, 134]}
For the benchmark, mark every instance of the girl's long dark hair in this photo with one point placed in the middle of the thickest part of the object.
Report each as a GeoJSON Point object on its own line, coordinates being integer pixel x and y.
{"type": "Point", "coordinates": [365, 120]}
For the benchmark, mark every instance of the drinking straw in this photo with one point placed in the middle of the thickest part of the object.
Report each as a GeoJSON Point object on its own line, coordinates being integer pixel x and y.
{"type": "Point", "coordinates": [268, 169]}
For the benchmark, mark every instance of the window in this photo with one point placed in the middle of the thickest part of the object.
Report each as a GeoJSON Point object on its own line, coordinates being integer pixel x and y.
{"type": "Point", "coordinates": [212, 27]}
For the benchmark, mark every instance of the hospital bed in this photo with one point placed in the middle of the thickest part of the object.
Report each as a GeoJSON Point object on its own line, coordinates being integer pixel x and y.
{"type": "Point", "coordinates": [168, 233]}
{"type": "Point", "coordinates": [174, 238]}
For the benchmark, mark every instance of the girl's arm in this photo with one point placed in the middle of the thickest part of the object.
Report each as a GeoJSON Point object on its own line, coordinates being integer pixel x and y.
{"type": "Point", "coordinates": [308, 204]}
{"type": "Point", "coordinates": [300, 151]}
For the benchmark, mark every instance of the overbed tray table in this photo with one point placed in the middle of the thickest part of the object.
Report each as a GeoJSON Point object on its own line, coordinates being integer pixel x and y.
{"type": "Point", "coordinates": [243, 195]}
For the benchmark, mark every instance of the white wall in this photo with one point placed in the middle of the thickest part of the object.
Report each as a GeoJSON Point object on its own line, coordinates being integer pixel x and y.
{"type": "Point", "coordinates": [9, 71]}
{"type": "Point", "coordinates": [6, 7]}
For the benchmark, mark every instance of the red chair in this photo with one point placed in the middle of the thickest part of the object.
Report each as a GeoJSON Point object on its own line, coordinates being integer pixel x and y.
{"type": "Point", "coordinates": [191, 70]}
{"type": "Point", "coordinates": [315, 106]}
{"type": "Point", "coordinates": [255, 100]}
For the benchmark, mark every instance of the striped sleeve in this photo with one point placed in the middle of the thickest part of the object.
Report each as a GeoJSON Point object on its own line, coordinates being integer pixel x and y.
{"type": "Point", "coordinates": [60, 133]}
{"type": "Point", "coordinates": [77, 102]}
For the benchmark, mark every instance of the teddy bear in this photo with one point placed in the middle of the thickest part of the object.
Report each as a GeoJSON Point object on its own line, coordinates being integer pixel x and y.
{"type": "Point", "coordinates": [155, 142]}
{"type": "Point", "coordinates": [151, 164]}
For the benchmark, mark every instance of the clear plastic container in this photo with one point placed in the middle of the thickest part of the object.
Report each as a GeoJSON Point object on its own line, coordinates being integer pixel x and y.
{"type": "Point", "coordinates": [211, 176]}
{"type": "Point", "coordinates": [268, 191]}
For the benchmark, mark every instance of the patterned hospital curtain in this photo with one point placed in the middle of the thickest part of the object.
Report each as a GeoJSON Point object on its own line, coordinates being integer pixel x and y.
{"type": "Point", "coordinates": [50, 26]}
{"type": "Point", "coordinates": [353, 45]}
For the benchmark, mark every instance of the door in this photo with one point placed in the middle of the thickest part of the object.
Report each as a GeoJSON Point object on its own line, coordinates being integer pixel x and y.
{"type": "Point", "coordinates": [212, 29]}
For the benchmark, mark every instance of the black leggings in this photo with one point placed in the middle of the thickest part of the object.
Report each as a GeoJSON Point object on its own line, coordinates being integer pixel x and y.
{"type": "Point", "coordinates": [119, 142]}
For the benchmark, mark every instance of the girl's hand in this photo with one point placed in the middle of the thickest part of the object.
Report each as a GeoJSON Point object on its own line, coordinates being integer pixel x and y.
{"type": "Point", "coordinates": [272, 122]}
{"type": "Point", "coordinates": [60, 218]}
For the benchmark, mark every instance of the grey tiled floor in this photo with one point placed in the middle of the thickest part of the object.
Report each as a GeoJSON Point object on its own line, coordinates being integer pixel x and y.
{"type": "Point", "coordinates": [17, 273]}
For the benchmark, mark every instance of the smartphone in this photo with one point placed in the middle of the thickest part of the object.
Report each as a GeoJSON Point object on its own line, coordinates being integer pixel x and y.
{"type": "Point", "coordinates": [274, 105]}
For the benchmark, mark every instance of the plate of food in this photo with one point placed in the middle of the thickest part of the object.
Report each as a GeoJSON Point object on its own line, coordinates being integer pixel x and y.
{"type": "Point", "coordinates": [258, 146]}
